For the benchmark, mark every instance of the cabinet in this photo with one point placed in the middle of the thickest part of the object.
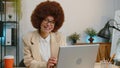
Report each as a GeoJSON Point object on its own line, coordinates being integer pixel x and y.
{"type": "Point", "coordinates": [103, 51]}
{"type": "Point", "coordinates": [9, 31]}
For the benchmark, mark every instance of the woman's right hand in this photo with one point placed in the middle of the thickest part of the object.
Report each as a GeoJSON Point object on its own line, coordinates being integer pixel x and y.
{"type": "Point", "coordinates": [52, 62]}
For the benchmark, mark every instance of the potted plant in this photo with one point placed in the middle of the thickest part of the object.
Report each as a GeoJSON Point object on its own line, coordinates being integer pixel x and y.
{"type": "Point", "coordinates": [91, 32]}
{"type": "Point", "coordinates": [10, 17]}
{"type": "Point", "coordinates": [74, 37]}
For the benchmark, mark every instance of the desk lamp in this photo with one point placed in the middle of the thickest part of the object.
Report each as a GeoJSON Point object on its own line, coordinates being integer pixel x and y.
{"type": "Point", "coordinates": [105, 32]}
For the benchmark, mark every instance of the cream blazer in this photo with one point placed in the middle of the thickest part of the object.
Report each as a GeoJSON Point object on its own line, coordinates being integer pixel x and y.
{"type": "Point", "coordinates": [32, 56]}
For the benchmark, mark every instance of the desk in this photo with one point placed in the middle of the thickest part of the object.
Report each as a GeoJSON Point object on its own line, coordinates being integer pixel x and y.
{"type": "Point", "coordinates": [97, 65]}
{"type": "Point", "coordinates": [103, 51]}
{"type": "Point", "coordinates": [19, 67]}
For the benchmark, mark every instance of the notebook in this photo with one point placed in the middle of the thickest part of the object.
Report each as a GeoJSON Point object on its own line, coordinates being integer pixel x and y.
{"type": "Point", "coordinates": [77, 56]}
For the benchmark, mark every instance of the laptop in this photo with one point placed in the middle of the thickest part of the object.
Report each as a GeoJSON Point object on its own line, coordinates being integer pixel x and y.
{"type": "Point", "coordinates": [77, 56]}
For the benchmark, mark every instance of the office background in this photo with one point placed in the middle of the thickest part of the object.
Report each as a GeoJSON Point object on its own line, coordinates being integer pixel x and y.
{"type": "Point", "coordinates": [79, 15]}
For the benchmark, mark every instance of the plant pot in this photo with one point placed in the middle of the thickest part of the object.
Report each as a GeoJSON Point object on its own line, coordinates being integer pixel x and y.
{"type": "Point", "coordinates": [74, 41]}
{"type": "Point", "coordinates": [91, 39]}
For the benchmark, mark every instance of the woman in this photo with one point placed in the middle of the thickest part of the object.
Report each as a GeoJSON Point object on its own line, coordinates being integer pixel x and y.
{"type": "Point", "coordinates": [41, 46]}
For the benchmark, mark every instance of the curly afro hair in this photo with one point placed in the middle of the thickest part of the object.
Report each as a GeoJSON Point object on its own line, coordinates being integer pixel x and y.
{"type": "Point", "coordinates": [48, 8]}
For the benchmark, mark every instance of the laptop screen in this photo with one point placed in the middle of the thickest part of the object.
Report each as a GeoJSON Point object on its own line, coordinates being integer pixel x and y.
{"type": "Point", "coordinates": [77, 56]}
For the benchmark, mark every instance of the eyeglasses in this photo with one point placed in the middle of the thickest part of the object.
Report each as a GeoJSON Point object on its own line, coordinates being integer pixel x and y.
{"type": "Point", "coordinates": [48, 21]}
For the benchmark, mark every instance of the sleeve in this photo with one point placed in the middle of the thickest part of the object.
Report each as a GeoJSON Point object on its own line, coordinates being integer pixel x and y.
{"type": "Point", "coordinates": [28, 59]}
{"type": "Point", "coordinates": [61, 38]}
{"type": "Point", "coordinates": [63, 41]}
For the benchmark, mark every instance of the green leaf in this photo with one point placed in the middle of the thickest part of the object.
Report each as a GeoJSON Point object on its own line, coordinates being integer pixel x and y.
{"type": "Point", "coordinates": [91, 32]}
{"type": "Point", "coordinates": [74, 36]}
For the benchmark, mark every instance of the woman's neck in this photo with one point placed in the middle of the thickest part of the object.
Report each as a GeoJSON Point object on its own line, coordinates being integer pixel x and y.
{"type": "Point", "coordinates": [43, 35]}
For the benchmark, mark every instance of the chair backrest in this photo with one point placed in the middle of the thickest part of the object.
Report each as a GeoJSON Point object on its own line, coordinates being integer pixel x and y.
{"type": "Point", "coordinates": [21, 64]}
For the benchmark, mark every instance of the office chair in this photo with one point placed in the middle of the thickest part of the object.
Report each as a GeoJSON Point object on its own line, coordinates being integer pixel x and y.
{"type": "Point", "coordinates": [21, 64]}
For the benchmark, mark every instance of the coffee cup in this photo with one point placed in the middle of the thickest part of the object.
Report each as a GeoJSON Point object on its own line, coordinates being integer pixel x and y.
{"type": "Point", "coordinates": [8, 61]}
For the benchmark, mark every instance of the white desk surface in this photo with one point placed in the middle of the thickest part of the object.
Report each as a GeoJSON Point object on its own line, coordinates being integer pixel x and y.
{"type": "Point", "coordinates": [97, 65]}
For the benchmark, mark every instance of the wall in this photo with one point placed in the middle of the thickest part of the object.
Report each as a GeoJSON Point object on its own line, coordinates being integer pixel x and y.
{"type": "Point", "coordinates": [117, 5]}
{"type": "Point", "coordinates": [116, 36]}
{"type": "Point", "coordinates": [79, 15]}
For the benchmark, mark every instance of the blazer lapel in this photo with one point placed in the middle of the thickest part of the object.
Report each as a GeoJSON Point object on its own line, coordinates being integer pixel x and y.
{"type": "Point", "coordinates": [54, 46]}
{"type": "Point", "coordinates": [35, 48]}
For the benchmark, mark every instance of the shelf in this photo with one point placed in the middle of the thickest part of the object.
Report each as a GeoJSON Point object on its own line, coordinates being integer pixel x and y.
{"type": "Point", "coordinates": [10, 22]}
{"type": "Point", "coordinates": [9, 30]}
{"type": "Point", "coordinates": [92, 43]}
{"type": "Point", "coordinates": [8, 0]}
{"type": "Point", "coordinates": [8, 46]}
